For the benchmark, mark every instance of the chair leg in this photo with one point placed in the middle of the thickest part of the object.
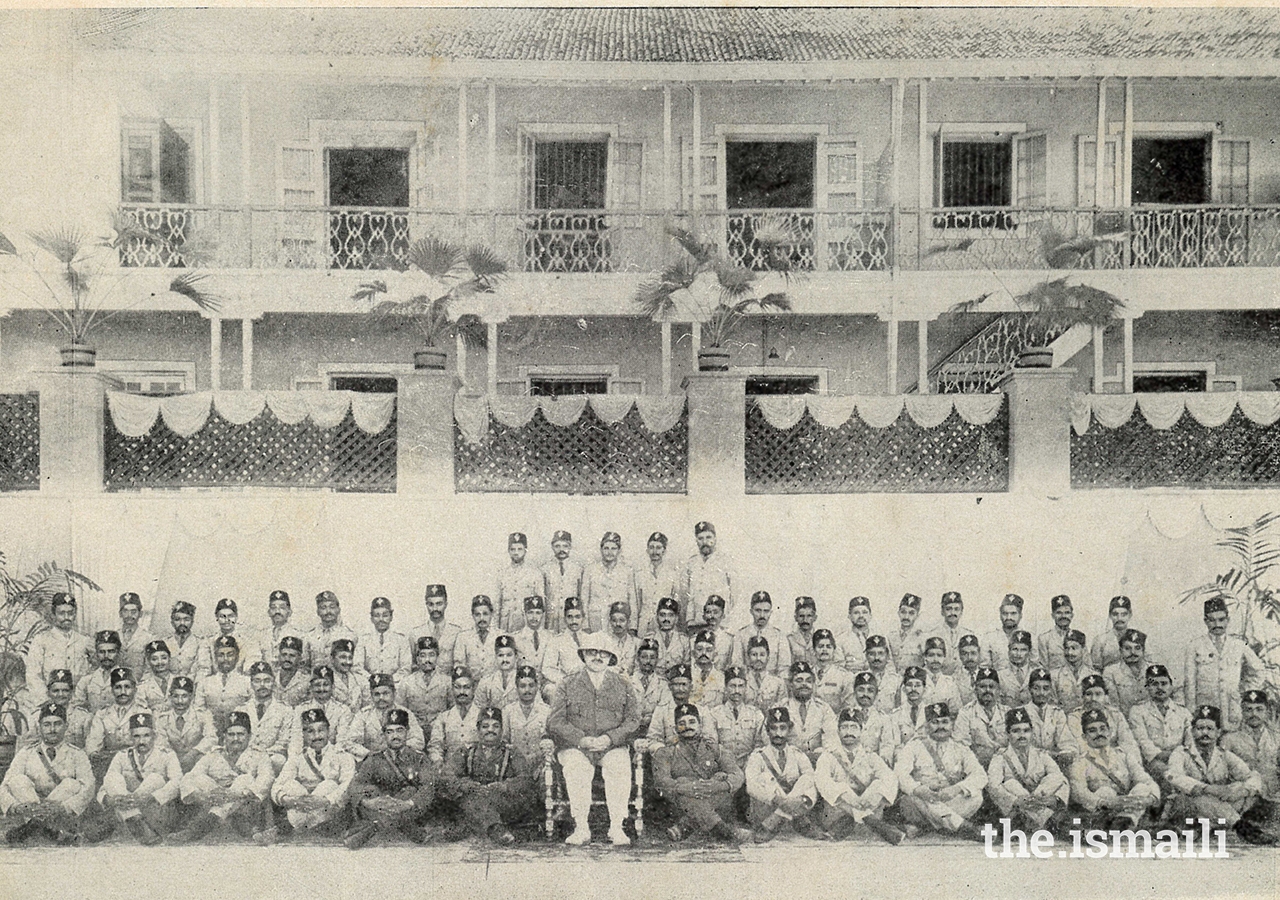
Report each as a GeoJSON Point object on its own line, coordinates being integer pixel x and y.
{"type": "Point", "coordinates": [548, 783]}
{"type": "Point", "coordinates": [639, 801]}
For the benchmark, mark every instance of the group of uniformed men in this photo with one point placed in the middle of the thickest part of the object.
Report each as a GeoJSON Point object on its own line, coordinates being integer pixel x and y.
{"type": "Point", "coordinates": [449, 731]}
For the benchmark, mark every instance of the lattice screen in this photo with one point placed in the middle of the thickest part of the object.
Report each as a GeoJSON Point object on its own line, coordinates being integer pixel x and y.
{"type": "Point", "coordinates": [856, 458]}
{"type": "Point", "coordinates": [19, 442]}
{"type": "Point", "coordinates": [587, 457]}
{"type": "Point", "coordinates": [1239, 453]}
{"type": "Point", "coordinates": [263, 453]}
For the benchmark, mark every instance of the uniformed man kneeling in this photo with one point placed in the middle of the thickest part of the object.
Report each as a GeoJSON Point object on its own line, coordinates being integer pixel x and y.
{"type": "Point", "coordinates": [312, 787]}
{"type": "Point", "coordinates": [698, 779]}
{"type": "Point", "coordinates": [780, 782]}
{"type": "Point", "coordinates": [229, 785]}
{"type": "Point", "coordinates": [940, 779]}
{"type": "Point", "coordinates": [49, 785]}
{"type": "Point", "coordinates": [394, 788]}
{"type": "Point", "coordinates": [856, 783]}
{"type": "Point", "coordinates": [492, 784]}
{"type": "Point", "coordinates": [143, 783]}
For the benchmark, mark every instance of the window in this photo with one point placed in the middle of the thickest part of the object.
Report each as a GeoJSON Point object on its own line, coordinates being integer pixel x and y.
{"type": "Point", "coordinates": [153, 378]}
{"type": "Point", "coordinates": [566, 385]}
{"type": "Point", "coordinates": [569, 179]}
{"type": "Point", "coordinates": [987, 168]}
{"type": "Point", "coordinates": [375, 179]}
{"type": "Point", "coordinates": [1231, 165]}
{"type": "Point", "coordinates": [159, 162]}
{"type": "Point", "coordinates": [365, 384]}
{"type": "Point", "coordinates": [977, 173]}
{"type": "Point", "coordinates": [570, 174]}
{"type": "Point", "coordinates": [758, 385]}
{"type": "Point", "coordinates": [1171, 170]}
{"type": "Point", "coordinates": [765, 175]}
{"type": "Point", "coordinates": [372, 378]}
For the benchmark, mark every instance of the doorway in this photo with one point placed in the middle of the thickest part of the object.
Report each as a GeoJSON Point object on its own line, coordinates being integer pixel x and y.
{"type": "Point", "coordinates": [376, 180]}
{"type": "Point", "coordinates": [765, 175]}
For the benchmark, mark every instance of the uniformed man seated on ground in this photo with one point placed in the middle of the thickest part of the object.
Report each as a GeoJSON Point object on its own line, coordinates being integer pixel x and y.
{"type": "Point", "coordinates": [312, 788]}
{"type": "Point", "coordinates": [1023, 781]}
{"type": "Point", "coordinates": [1257, 743]}
{"type": "Point", "coordinates": [394, 788]}
{"type": "Point", "coordinates": [493, 785]}
{"type": "Point", "coordinates": [857, 785]}
{"type": "Point", "coordinates": [1110, 788]}
{"type": "Point", "coordinates": [940, 779]}
{"type": "Point", "coordinates": [228, 786]}
{"type": "Point", "coordinates": [780, 783]}
{"type": "Point", "coordinates": [48, 787]}
{"type": "Point", "coordinates": [143, 783]}
{"type": "Point", "coordinates": [698, 779]}
{"type": "Point", "coordinates": [1209, 782]}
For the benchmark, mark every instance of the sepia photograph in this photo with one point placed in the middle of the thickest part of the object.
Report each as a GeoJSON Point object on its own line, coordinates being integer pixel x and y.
{"type": "Point", "coordinates": [640, 451]}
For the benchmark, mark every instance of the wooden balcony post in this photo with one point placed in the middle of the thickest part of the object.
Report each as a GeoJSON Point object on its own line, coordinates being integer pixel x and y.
{"type": "Point", "coordinates": [717, 432]}
{"type": "Point", "coordinates": [1039, 430]}
{"type": "Point", "coordinates": [71, 430]}
{"type": "Point", "coordinates": [424, 428]}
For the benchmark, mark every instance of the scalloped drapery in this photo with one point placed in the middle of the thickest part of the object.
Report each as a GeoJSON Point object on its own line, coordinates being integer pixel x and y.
{"type": "Point", "coordinates": [471, 411]}
{"type": "Point", "coordinates": [1162, 411]}
{"type": "Point", "coordinates": [185, 414]}
{"type": "Point", "coordinates": [926, 410]}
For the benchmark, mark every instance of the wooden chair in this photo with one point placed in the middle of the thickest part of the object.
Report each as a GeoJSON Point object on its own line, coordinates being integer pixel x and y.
{"type": "Point", "coordinates": [556, 798]}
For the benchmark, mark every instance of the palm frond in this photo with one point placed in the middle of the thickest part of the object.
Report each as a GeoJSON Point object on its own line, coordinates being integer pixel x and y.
{"type": "Point", "coordinates": [485, 264]}
{"type": "Point", "coordinates": [776, 301]}
{"type": "Point", "coordinates": [190, 285]}
{"type": "Point", "coordinates": [436, 257]}
{"type": "Point", "coordinates": [6, 247]}
{"type": "Point", "coordinates": [367, 291]}
{"type": "Point", "coordinates": [949, 247]}
{"type": "Point", "coordinates": [701, 253]}
{"type": "Point", "coordinates": [970, 306]}
{"type": "Point", "coordinates": [75, 279]}
{"type": "Point", "coordinates": [735, 280]}
{"type": "Point", "coordinates": [473, 331]}
{"type": "Point", "coordinates": [64, 244]}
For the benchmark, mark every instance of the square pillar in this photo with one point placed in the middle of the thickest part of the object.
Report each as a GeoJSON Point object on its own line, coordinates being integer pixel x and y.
{"type": "Point", "coordinates": [71, 430]}
{"type": "Point", "coordinates": [424, 427]}
{"type": "Point", "coordinates": [717, 436]}
{"type": "Point", "coordinates": [1039, 430]}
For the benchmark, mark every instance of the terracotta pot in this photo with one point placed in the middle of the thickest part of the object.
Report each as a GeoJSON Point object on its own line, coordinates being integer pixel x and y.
{"type": "Point", "coordinates": [79, 355]}
{"type": "Point", "coordinates": [713, 359]}
{"type": "Point", "coordinates": [1035, 358]}
{"type": "Point", "coordinates": [429, 359]}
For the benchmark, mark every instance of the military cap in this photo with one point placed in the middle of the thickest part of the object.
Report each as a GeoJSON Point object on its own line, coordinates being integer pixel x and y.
{"type": "Point", "coordinates": [761, 597]}
{"type": "Point", "coordinates": [52, 710]}
{"type": "Point", "coordinates": [951, 597]}
{"type": "Point", "coordinates": [324, 673]}
{"type": "Point", "coordinates": [757, 640]}
{"type": "Point", "coordinates": [61, 676]}
{"type": "Point", "coordinates": [480, 600]}
{"type": "Point", "coordinates": [1215, 604]}
{"type": "Point", "coordinates": [562, 536]}
{"type": "Point", "coordinates": [291, 642]}
{"type": "Point", "coordinates": [986, 673]}
{"type": "Point", "coordinates": [437, 590]}
{"type": "Point", "coordinates": [649, 644]}
{"type": "Point", "coordinates": [805, 602]}
{"type": "Point", "coordinates": [935, 643]}
{"type": "Point", "coordinates": [427, 642]}
{"type": "Point", "coordinates": [620, 606]}
{"type": "Point", "coordinates": [1253, 696]}
{"type": "Point", "coordinates": [396, 716]}
{"type": "Point", "coordinates": [865, 678]}
{"type": "Point", "coordinates": [240, 718]}
{"type": "Point", "coordinates": [800, 667]}
{"type": "Point", "coordinates": [666, 603]}
{"type": "Point", "coordinates": [129, 598]}
{"type": "Point", "coordinates": [534, 602]}
{"type": "Point", "coordinates": [732, 672]}
{"type": "Point", "coordinates": [680, 670]}
{"type": "Point", "coordinates": [778, 714]}
{"type": "Point", "coordinates": [504, 642]}
{"type": "Point", "coordinates": [326, 597]}
{"type": "Point", "coordinates": [62, 598]}
{"type": "Point", "coordinates": [342, 645]}
{"type": "Point", "coordinates": [855, 602]}
{"type": "Point", "coordinates": [822, 634]}
{"type": "Point", "coordinates": [687, 709]}
{"type": "Point", "coordinates": [967, 640]}
{"type": "Point", "coordinates": [225, 603]}
{"type": "Point", "coordinates": [381, 679]}
{"type": "Point", "coordinates": [911, 672]}
{"type": "Point", "coordinates": [460, 672]}
{"type": "Point", "coordinates": [183, 607]}
{"type": "Point", "coordinates": [876, 640]}
{"type": "Point", "coordinates": [714, 600]}
{"type": "Point", "coordinates": [280, 595]}
{"type": "Point", "coordinates": [1211, 713]}
{"type": "Point", "coordinates": [1089, 682]}
{"type": "Point", "coordinates": [1073, 636]}
{"type": "Point", "coordinates": [1058, 602]}
{"type": "Point", "coordinates": [659, 537]}
{"type": "Point", "coordinates": [121, 674]}
{"type": "Point", "coordinates": [1091, 716]}
{"type": "Point", "coordinates": [1134, 636]}
{"type": "Point", "coordinates": [1012, 600]}
{"type": "Point", "coordinates": [107, 637]}
{"type": "Point", "coordinates": [261, 667]}
{"type": "Point", "coordinates": [1020, 637]}
{"type": "Point", "coordinates": [313, 714]}
{"type": "Point", "coordinates": [379, 603]}
{"type": "Point", "coordinates": [526, 672]}
{"type": "Point", "coordinates": [141, 720]}
{"type": "Point", "coordinates": [611, 537]}
{"type": "Point", "coordinates": [910, 600]}
{"type": "Point", "coordinates": [705, 636]}
{"type": "Point", "coordinates": [517, 537]}
{"type": "Point", "coordinates": [849, 714]}
{"type": "Point", "coordinates": [572, 603]}
{"type": "Point", "coordinates": [182, 683]}
{"type": "Point", "coordinates": [1016, 716]}
{"type": "Point", "coordinates": [223, 641]}
{"type": "Point", "coordinates": [1039, 673]}
{"type": "Point", "coordinates": [937, 711]}
{"type": "Point", "coordinates": [1120, 601]}
{"type": "Point", "coordinates": [155, 647]}
{"type": "Point", "coordinates": [703, 528]}
{"type": "Point", "coordinates": [490, 712]}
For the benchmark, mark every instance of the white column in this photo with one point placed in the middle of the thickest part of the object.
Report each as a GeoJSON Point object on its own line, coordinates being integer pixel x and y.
{"type": "Point", "coordinates": [666, 358]}
{"type": "Point", "coordinates": [668, 201]}
{"type": "Point", "coordinates": [215, 353]}
{"type": "Point", "coordinates": [922, 178]}
{"type": "Point", "coordinates": [215, 155]}
{"type": "Point", "coordinates": [1128, 355]}
{"type": "Point", "coordinates": [1125, 156]}
{"type": "Point", "coordinates": [1101, 147]}
{"type": "Point", "coordinates": [696, 178]}
{"type": "Point", "coordinates": [1099, 358]}
{"type": "Point", "coordinates": [246, 354]}
{"type": "Point", "coordinates": [922, 356]}
{"type": "Point", "coordinates": [891, 381]}
{"type": "Point", "coordinates": [460, 357]}
{"type": "Point", "coordinates": [493, 357]}
{"type": "Point", "coordinates": [246, 147]}
{"type": "Point", "coordinates": [695, 342]}
{"type": "Point", "coordinates": [463, 166]}
{"type": "Point", "coordinates": [897, 98]}
{"type": "Point", "coordinates": [493, 146]}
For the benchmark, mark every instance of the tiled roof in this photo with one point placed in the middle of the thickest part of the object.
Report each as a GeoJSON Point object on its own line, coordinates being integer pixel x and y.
{"type": "Point", "coordinates": [695, 35]}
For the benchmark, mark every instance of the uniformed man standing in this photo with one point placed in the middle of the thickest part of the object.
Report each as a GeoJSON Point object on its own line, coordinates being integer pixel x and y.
{"type": "Point", "coordinates": [425, 692]}
{"type": "Point", "coordinates": [185, 656]}
{"type": "Point", "coordinates": [939, 687]}
{"type": "Point", "coordinates": [498, 688]}
{"type": "Point", "coordinates": [940, 779]}
{"type": "Point", "coordinates": [562, 657]}
{"type": "Point", "coordinates": [1049, 729]}
{"type": "Point", "coordinates": [1074, 668]}
{"type": "Point", "coordinates": [312, 787]}
{"type": "Point", "coordinates": [524, 721]}
{"type": "Point", "coordinates": [1093, 692]}
{"type": "Point", "coordinates": [517, 581]}
{"type": "Point", "coordinates": [780, 782]}
{"type": "Point", "coordinates": [656, 579]}
{"type": "Point", "coordinates": [1023, 781]}
{"type": "Point", "coordinates": [908, 716]}
{"type": "Point", "coordinates": [1015, 671]}
{"type": "Point", "coordinates": [153, 686]}
{"type": "Point", "coordinates": [457, 726]}
{"type": "Point", "coordinates": [813, 721]}
{"type": "Point", "coordinates": [350, 688]}
{"type": "Point", "coordinates": [761, 609]}
{"type": "Point", "coordinates": [394, 789]}
{"type": "Point", "coordinates": [385, 651]}
{"type": "Point", "coordinates": [1110, 789]}
{"type": "Point", "coordinates": [1127, 679]}
{"type": "Point", "coordinates": [650, 686]}
{"type": "Point", "coordinates": [1219, 666]}
{"type": "Point", "coordinates": [995, 643]}
{"type": "Point", "coordinates": [907, 643]}
{"type": "Point", "coordinates": [737, 725]}
{"type": "Point", "coordinates": [280, 611]}
{"type": "Point", "coordinates": [330, 629]}
{"type": "Point", "coordinates": [607, 581]}
{"type": "Point", "coordinates": [708, 681]}
{"type": "Point", "coordinates": [93, 691]}
{"type": "Point", "coordinates": [561, 579]}
{"type": "Point", "coordinates": [673, 646]}
{"type": "Point", "coordinates": [951, 630]}
{"type": "Point", "coordinates": [1209, 782]}
{"type": "Point", "coordinates": [623, 643]}
{"type": "Point", "coordinates": [444, 633]}
{"type": "Point", "coordinates": [1049, 643]}
{"type": "Point", "coordinates": [856, 783]}
{"type": "Point", "coordinates": [532, 640]}
{"type": "Point", "coordinates": [493, 784]}
{"type": "Point", "coordinates": [49, 786]}
{"type": "Point", "coordinates": [109, 730]}
{"type": "Point", "coordinates": [133, 638]}
{"type": "Point", "coordinates": [1159, 724]}
{"type": "Point", "coordinates": [59, 647]}
{"type": "Point", "coordinates": [851, 645]}
{"type": "Point", "coordinates": [801, 637]}
{"type": "Point", "coordinates": [292, 683]}
{"type": "Point", "coordinates": [888, 681]}
{"type": "Point", "coordinates": [879, 734]}
{"type": "Point", "coordinates": [1105, 649]}
{"type": "Point", "coordinates": [228, 688]}
{"type": "Point", "coordinates": [474, 647]}
{"type": "Point", "coordinates": [662, 725]}
{"type": "Point", "coordinates": [707, 572]}
{"type": "Point", "coordinates": [712, 620]}
{"type": "Point", "coordinates": [227, 615]}
{"type": "Point", "coordinates": [143, 783]}
{"type": "Point", "coordinates": [78, 719]}
{"type": "Point", "coordinates": [833, 682]}
{"type": "Point", "coordinates": [698, 778]}
{"type": "Point", "coordinates": [227, 786]}
{"type": "Point", "coordinates": [1256, 742]}
{"type": "Point", "coordinates": [340, 715]}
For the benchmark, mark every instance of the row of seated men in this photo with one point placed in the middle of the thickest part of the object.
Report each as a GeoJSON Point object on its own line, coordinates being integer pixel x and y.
{"type": "Point", "coordinates": [598, 712]}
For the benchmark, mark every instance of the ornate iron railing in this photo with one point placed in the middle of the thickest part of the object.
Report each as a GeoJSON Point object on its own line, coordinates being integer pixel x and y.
{"type": "Point", "coordinates": [982, 362]}
{"type": "Point", "coordinates": [19, 442]}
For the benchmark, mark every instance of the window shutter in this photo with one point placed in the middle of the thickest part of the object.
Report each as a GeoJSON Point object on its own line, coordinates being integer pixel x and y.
{"type": "Point", "coordinates": [839, 174]}
{"type": "Point", "coordinates": [626, 180]}
{"type": "Point", "coordinates": [528, 145]}
{"type": "Point", "coordinates": [711, 168]}
{"type": "Point", "coordinates": [1086, 165]}
{"type": "Point", "coordinates": [299, 176]}
{"type": "Point", "coordinates": [1231, 172]}
{"type": "Point", "coordinates": [141, 159]}
{"type": "Point", "coordinates": [302, 233]}
{"type": "Point", "coordinates": [423, 164]}
{"type": "Point", "coordinates": [1030, 168]}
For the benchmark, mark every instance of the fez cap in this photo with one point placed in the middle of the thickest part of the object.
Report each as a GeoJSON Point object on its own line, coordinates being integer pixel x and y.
{"type": "Point", "coordinates": [1012, 600]}
{"type": "Point", "coordinates": [240, 718]}
{"type": "Point", "coordinates": [805, 602]}
{"type": "Point", "coordinates": [876, 640]}
{"type": "Point", "coordinates": [379, 603]}
{"type": "Point", "coordinates": [572, 603]}
{"type": "Point", "coordinates": [935, 643]}
{"type": "Point", "coordinates": [61, 676]}
{"type": "Point", "coordinates": [910, 600]}
{"type": "Point", "coordinates": [912, 672]}
{"type": "Point", "coordinates": [562, 536]}
{"type": "Point", "coordinates": [459, 673]}
{"type": "Point", "coordinates": [183, 608]}
{"type": "Point", "coordinates": [53, 710]}
{"type": "Point", "coordinates": [687, 709]}
{"type": "Point", "coordinates": [533, 602]}
{"type": "Point", "coordinates": [155, 647]}
{"type": "Point", "coordinates": [657, 537]}
{"type": "Point", "coordinates": [865, 678]}
{"type": "Point", "coordinates": [1207, 712]}
{"type": "Point", "coordinates": [851, 715]}
{"type": "Point", "coordinates": [107, 637]}
{"type": "Point", "coordinates": [313, 714]}
{"type": "Point", "coordinates": [291, 642]}
{"type": "Point", "coordinates": [526, 672]}
{"type": "Point", "coordinates": [121, 674]}
{"type": "Point", "coordinates": [61, 598]}
{"type": "Point", "coordinates": [761, 597]}
{"type": "Point", "coordinates": [620, 606]}
{"type": "Point", "coordinates": [1253, 696]}
{"type": "Point", "coordinates": [1089, 682]}
{"type": "Point", "coordinates": [223, 641]}
{"type": "Point", "coordinates": [648, 644]}
{"type": "Point", "coordinates": [1120, 601]}
{"type": "Point", "coordinates": [733, 672]}
{"type": "Point", "coordinates": [1016, 716]}
{"type": "Point", "coordinates": [182, 683]}
{"type": "Point", "coordinates": [822, 634]}
{"type": "Point", "coordinates": [437, 590]}
{"type": "Point", "coordinates": [1157, 670]}
{"type": "Point", "coordinates": [1092, 716]}
{"type": "Point", "coordinates": [1134, 636]}
{"type": "Point", "coordinates": [282, 596]}
{"type": "Point", "coordinates": [381, 679]}
{"type": "Point", "coordinates": [1073, 636]}
{"type": "Point", "coordinates": [396, 716]}
{"type": "Point", "coordinates": [1039, 673]}
{"type": "Point", "coordinates": [504, 642]}
{"type": "Point", "coordinates": [141, 720]}
{"type": "Point", "coordinates": [951, 597]}
{"type": "Point", "coordinates": [680, 670]}
{"type": "Point", "coordinates": [1215, 604]}
{"type": "Point", "coordinates": [261, 667]}
{"type": "Point", "coordinates": [779, 714]}
{"type": "Point", "coordinates": [225, 603]}
{"type": "Point", "coordinates": [937, 711]}
{"type": "Point", "coordinates": [855, 602]}
{"type": "Point", "coordinates": [611, 537]}
{"type": "Point", "coordinates": [757, 640]}
{"type": "Point", "coordinates": [1058, 602]}
{"type": "Point", "coordinates": [800, 667]}
{"type": "Point", "coordinates": [517, 537]}
{"type": "Point", "coordinates": [666, 603]}
{"type": "Point", "coordinates": [342, 645]}
{"type": "Point", "coordinates": [703, 528]}
{"type": "Point", "coordinates": [129, 598]}
{"type": "Point", "coordinates": [1020, 637]}
{"type": "Point", "coordinates": [490, 712]}
{"type": "Point", "coordinates": [427, 642]}
{"type": "Point", "coordinates": [326, 597]}
{"type": "Point", "coordinates": [967, 640]}
{"type": "Point", "coordinates": [323, 673]}
{"type": "Point", "coordinates": [714, 600]}
{"type": "Point", "coordinates": [986, 673]}
{"type": "Point", "coordinates": [480, 600]}
{"type": "Point", "coordinates": [705, 636]}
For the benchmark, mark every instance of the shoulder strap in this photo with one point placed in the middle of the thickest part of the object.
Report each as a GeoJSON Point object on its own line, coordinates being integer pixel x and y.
{"type": "Point", "coordinates": [48, 766]}
{"type": "Point", "coordinates": [786, 783]}
{"type": "Point", "coordinates": [311, 764]}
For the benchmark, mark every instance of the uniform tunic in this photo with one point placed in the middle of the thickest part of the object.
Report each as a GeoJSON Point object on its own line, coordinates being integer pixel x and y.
{"type": "Point", "coordinates": [93, 691]}
{"type": "Point", "coordinates": [365, 734]}
{"type": "Point", "coordinates": [249, 642]}
{"type": "Point", "coordinates": [673, 648]}
{"type": "Point", "coordinates": [880, 734]}
{"type": "Point", "coordinates": [1126, 685]}
{"type": "Point", "coordinates": [132, 645]}
{"type": "Point", "coordinates": [1010, 778]}
{"type": "Point", "coordinates": [446, 635]}
{"type": "Point", "coordinates": [1066, 683]}
{"type": "Point", "coordinates": [187, 735]}
{"type": "Point", "coordinates": [561, 659]}
{"type": "Point", "coordinates": [424, 696]}
{"type": "Point", "coordinates": [452, 730]}
{"type": "Point", "coordinates": [271, 639]}
{"type": "Point", "coordinates": [813, 726]}
{"type": "Point", "coordinates": [707, 690]}
{"type": "Point", "coordinates": [1189, 772]}
{"type": "Point", "coordinates": [1157, 731]}
{"type": "Point", "coordinates": [515, 582]}
{"type": "Point", "coordinates": [651, 691]}
{"type": "Point", "coordinates": [1108, 773]}
{"type": "Point", "coordinates": [493, 785]}
{"type": "Point", "coordinates": [779, 648]}
{"type": "Point", "coordinates": [686, 774]}
{"type": "Point", "coordinates": [982, 730]}
{"type": "Point", "coordinates": [602, 586]}
{"type": "Point", "coordinates": [951, 636]}
{"type": "Point", "coordinates": [296, 691]}
{"type": "Point", "coordinates": [250, 771]}
{"type": "Point", "coordinates": [524, 731]}
{"type": "Point", "coordinates": [386, 653]}
{"type": "Point", "coordinates": [1215, 671]}
{"type": "Point", "coordinates": [185, 657]}
{"type": "Point", "coordinates": [625, 648]}
{"type": "Point", "coordinates": [939, 764]}
{"type": "Point", "coordinates": [1050, 731]}
{"type": "Point", "coordinates": [703, 577]}
{"type": "Point", "coordinates": [405, 774]}
{"type": "Point", "coordinates": [340, 717]}
{"type": "Point", "coordinates": [1049, 648]}
{"type": "Point", "coordinates": [109, 730]}
{"type": "Point", "coordinates": [765, 691]}
{"type": "Point", "coordinates": [848, 775]}
{"type": "Point", "coordinates": [801, 644]}
{"type": "Point", "coordinates": [834, 686]}
{"type": "Point", "coordinates": [560, 580]}
{"type": "Point", "coordinates": [320, 642]}
{"type": "Point", "coordinates": [909, 722]}
{"type": "Point", "coordinates": [774, 776]}
{"type": "Point", "coordinates": [158, 775]}
{"type": "Point", "coordinates": [326, 775]}
{"type": "Point", "coordinates": [1260, 749]}
{"type": "Point", "coordinates": [651, 586]}
{"type": "Point", "coordinates": [54, 648]}
{"type": "Point", "coordinates": [1014, 684]}
{"type": "Point", "coordinates": [1121, 733]}
{"type": "Point", "coordinates": [888, 688]}
{"type": "Point", "coordinates": [941, 688]}
{"type": "Point", "coordinates": [352, 689]}
{"type": "Point", "coordinates": [475, 651]}
{"type": "Point", "coordinates": [271, 731]}
{"type": "Point", "coordinates": [738, 729]}
{"type": "Point", "coordinates": [61, 774]}
{"type": "Point", "coordinates": [906, 647]}
{"type": "Point", "coordinates": [153, 691]}
{"type": "Point", "coordinates": [220, 694]}
{"type": "Point", "coordinates": [531, 646]}
{"type": "Point", "coordinates": [491, 691]}
{"type": "Point", "coordinates": [1105, 649]}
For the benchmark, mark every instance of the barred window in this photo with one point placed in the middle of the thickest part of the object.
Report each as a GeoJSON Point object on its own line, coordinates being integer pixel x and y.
{"type": "Point", "coordinates": [977, 173]}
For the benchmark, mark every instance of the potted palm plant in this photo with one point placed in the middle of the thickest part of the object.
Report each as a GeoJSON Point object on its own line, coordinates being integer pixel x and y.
{"type": "Point", "coordinates": [717, 292]}
{"type": "Point", "coordinates": [76, 274]}
{"type": "Point", "coordinates": [453, 274]}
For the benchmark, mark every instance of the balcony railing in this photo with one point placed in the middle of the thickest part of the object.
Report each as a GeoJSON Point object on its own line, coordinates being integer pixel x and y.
{"type": "Point", "coordinates": [603, 241]}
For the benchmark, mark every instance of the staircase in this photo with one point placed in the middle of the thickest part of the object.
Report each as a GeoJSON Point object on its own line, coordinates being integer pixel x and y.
{"type": "Point", "coordinates": [979, 364]}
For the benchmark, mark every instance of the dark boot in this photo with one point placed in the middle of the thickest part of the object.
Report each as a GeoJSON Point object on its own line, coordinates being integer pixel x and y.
{"type": "Point", "coordinates": [20, 834]}
{"type": "Point", "coordinates": [884, 830]}
{"type": "Point", "coordinates": [201, 825]}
